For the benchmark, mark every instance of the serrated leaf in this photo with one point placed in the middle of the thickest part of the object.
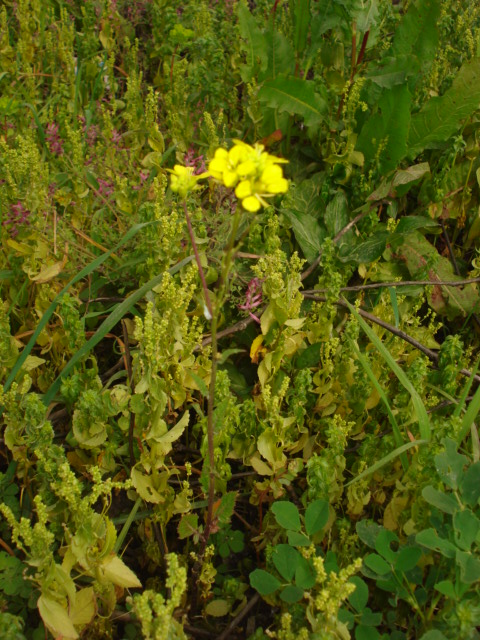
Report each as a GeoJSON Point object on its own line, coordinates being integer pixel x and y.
{"type": "Point", "coordinates": [116, 571]}
{"type": "Point", "coordinates": [442, 116]}
{"type": "Point", "coordinates": [286, 514]}
{"type": "Point", "coordinates": [367, 251]}
{"type": "Point", "coordinates": [309, 233]}
{"type": "Point", "coordinates": [316, 516]}
{"type": "Point", "coordinates": [295, 96]}
{"type": "Point", "coordinates": [83, 608]}
{"type": "Point", "coordinates": [188, 526]}
{"type": "Point", "coordinates": [264, 582]}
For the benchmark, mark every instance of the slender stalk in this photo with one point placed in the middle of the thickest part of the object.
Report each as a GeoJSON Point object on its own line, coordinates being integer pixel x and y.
{"type": "Point", "coordinates": [197, 258]}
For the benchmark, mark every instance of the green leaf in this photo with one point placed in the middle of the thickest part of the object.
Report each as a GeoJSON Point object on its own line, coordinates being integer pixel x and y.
{"type": "Point", "coordinates": [466, 526]}
{"type": "Point", "coordinates": [298, 539]}
{"type": "Point", "coordinates": [441, 117]}
{"type": "Point", "coordinates": [417, 33]}
{"type": "Point", "coordinates": [302, 17]}
{"type": "Point", "coordinates": [368, 532]}
{"type": "Point", "coordinates": [439, 499]}
{"type": "Point", "coordinates": [429, 538]}
{"type": "Point", "coordinates": [296, 96]}
{"type": "Point", "coordinates": [56, 618]}
{"type": "Point", "coordinates": [187, 526]}
{"type": "Point", "coordinates": [470, 416]}
{"type": "Point", "coordinates": [447, 588]}
{"type": "Point", "coordinates": [382, 545]}
{"type": "Point", "coordinates": [217, 608]}
{"type": "Point", "coordinates": [291, 594]}
{"type": "Point", "coordinates": [227, 505]}
{"type": "Point", "coordinates": [407, 558]}
{"type": "Point", "coordinates": [285, 558]}
{"type": "Point", "coordinates": [253, 42]}
{"type": "Point", "coordinates": [337, 214]}
{"type": "Point", "coordinates": [376, 563]}
{"type": "Point", "coordinates": [309, 233]}
{"type": "Point", "coordinates": [393, 70]}
{"type": "Point", "coordinates": [470, 485]}
{"type": "Point", "coordinates": [286, 514]}
{"type": "Point", "coordinates": [316, 516]}
{"type": "Point", "coordinates": [450, 464]}
{"type": "Point", "coordinates": [264, 582]}
{"type": "Point", "coordinates": [388, 129]}
{"type": "Point", "coordinates": [359, 598]}
{"type": "Point", "coordinates": [363, 632]}
{"type": "Point", "coordinates": [469, 567]}
{"type": "Point", "coordinates": [305, 575]}
{"type": "Point", "coordinates": [433, 634]}
{"type": "Point", "coordinates": [386, 459]}
{"type": "Point", "coordinates": [365, 251]}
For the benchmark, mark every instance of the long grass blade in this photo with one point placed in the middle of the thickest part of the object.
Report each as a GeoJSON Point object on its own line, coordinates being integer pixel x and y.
{"type": "Point", "coordinates": [386, 459]}
{"type": "Point", "coordinates": [422, 415]}
{"type": "Point", "coordinates": [469, 417]}
{"type": "Point", "coordinates": [396, 431]}
{"type": "Point", "coordinates": [49, 312]}
{"type": "Point", "coordinates": [109, 322]}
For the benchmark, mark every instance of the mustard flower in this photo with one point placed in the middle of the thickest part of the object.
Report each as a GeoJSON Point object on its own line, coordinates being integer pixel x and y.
{"type": "Point", "coordinates": [254, 173]}
{"type": "Point", "coordinates": [184, 180]}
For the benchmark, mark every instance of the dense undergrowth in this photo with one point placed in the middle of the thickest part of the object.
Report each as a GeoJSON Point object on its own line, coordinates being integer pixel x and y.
{"type": "Point", "coordinates": [232, 406]}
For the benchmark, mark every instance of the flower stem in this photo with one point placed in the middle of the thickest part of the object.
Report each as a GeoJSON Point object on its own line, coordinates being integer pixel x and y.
{"type": "Point", "coordinates": [197, 258]}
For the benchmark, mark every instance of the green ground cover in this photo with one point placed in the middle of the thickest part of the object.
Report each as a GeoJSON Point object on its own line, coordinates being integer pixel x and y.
{"type": "Point", "coordinates": [239, 319]}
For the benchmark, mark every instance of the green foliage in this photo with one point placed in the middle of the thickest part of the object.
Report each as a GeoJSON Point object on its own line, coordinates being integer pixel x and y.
{"type": "Point", "coordinates": [183, 465]}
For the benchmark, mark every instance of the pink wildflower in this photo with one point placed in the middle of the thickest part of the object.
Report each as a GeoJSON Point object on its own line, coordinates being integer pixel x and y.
{"type": "Point", "coordinates": [253, 298]}
{"type": "Point", "coordinates": [53, 139]}
{"type": "Point", "coordinates": [18, 217]}
{"type": "Point", "coordinates": [197, 162]}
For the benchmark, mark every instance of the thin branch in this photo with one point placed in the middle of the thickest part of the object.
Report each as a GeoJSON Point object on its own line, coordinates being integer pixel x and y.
{"type": "Point", "coordinates": [397, 332]}
{"type": "Point", "coordinates": [236, 621]}
{"type": "Point", "coordinates": [405, 283]}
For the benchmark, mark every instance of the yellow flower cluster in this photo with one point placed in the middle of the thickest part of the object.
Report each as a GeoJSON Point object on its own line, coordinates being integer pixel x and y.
{"type": "Point", "coordinates": [254, 173]}
{"type": "Point", "coordinates": [184, 179]}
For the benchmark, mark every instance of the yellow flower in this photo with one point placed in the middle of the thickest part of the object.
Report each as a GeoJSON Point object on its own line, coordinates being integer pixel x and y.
{"type": "Point", "coordinates": [254, 173]}
{"type": "Point", "coordinates": [184, 180]}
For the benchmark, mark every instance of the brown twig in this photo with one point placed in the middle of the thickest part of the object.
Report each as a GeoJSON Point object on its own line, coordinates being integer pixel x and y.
{"type": "Point", "coordinates": [226, 633]}
{"type": "Point", "coordinates": [405, 283]}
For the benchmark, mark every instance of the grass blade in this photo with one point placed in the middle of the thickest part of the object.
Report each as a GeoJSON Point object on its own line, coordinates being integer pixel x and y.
{"type": "Point", "coordinates": [465, 392]}
{"type": "Point", "coordinates": [422, 415]}
{"type": "Point", "coordinates": [108, 324]}
{"type": "Point", "coordinates": [386, 459]}
{"type": "Point", "coordinates": [469, 417]}
{"type": "Point", "coordinates": [396, 431]}
{"type": "Point", "coordinates": [49, 312]}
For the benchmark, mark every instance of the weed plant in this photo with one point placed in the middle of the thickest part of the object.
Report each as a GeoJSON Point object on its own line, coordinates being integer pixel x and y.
{"type": "Point", "coordinates": [239, 319]}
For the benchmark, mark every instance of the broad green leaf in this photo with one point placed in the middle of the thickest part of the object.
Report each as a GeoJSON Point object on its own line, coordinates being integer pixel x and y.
{"type": "Point", "coordinates": [441, 500]}
{"type": "Point", "coordinates": [433, 634]}
{"type": "Point", "coordinates": [367, 251]}
{"type": "Point", "coordinates": [376, 563]}
{"type": "Point", "coordinates": [296, 96]}
{"type": "Point", "coordinates": [116, 571]}
{"type": "Point", "coordinates": [469, 567]}
{"type": "Point", "coordinates": [227, 505]}
{"type": "Point", "coordinates": [298, 539]}
{"type": "Point", "coordinates": [286, 514]}
{"type": "Point", "coordinates": [56, 618]}
{"type": "Point", "coordinates": [388, 129]}
{"type": "Point", "coordinates": [450, 464]}
{"type": "Point", "coordinates": [466, 527]}
{"type": "Point", "coordinates": [382, 545]}
{"type": "Point", "coordinates": [363, 632]}
{"type": "Point", "coordinates": [316, 516]}
{"type": "Point", "coordinates": [264, 582]}
{"type": "Point", "coordinates": [305, 575]}
{"type": "Point", "coordinates": [441, 117]}
{"type": "Point", "coordinates": [188, 525]}
{"type": "Point", "coordinates": [84, 606]}
{"type": "Point", "coordinates": [447, 588]}
{"type": "Point", "coordinates": [337, 214]}
{"type": "Point", "coordinates": [407, 558]}
{"type": "Point", "coordinates": [291, 594]}
{"type": "Point", "coordinates": [470, 486]}
{"type": "Point", "coordinates": [253, 42]}
{"type": "Point", "coordinates": [285, 558]}
{"type": "Point", "coordinates": [359, 598]}
{"type": "Point", "coordinates": [309, 233]}
{"type": "Point", "coordinates": [367, 15]}
{"type": "Point", "coordinates": [368, 532]}
{"type": "Point", "coordinates": [417, 33]}
{"type": "Point", "coordinates": [429, 538]}
{"type": "Point", "coordinates": [393, 70]}
{"type": "Point", "coordinates": [281, 56]}
{"type": "Point", "coordinates": [302, 17]}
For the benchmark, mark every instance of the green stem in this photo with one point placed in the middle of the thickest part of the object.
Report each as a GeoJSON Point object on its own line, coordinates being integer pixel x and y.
{"type": "Point", "coordinates": [197, 258]}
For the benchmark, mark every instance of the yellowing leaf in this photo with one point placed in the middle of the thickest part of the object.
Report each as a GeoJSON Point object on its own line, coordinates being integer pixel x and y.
{"type": "Point", "coordinates": [144, 486]}
{"type": "Point", "coordinates": [260, 466]}
{"type": "Point", "coordinates": [217, 608]}
{"type": "Point", "coordinates": [32, 362]}
{"type": "Point", "coordinates": [84, 607]}
{"type": "Point", "coordinates": [56, 618]}
{"type": "Point", "coordinates": [50, 272]}
{"type": "Point", "coordinates": [256, 349]}
{"type": "Point", "coordinates": [175, 433]}
{"type": "Point", "coordinates": [117, 572]}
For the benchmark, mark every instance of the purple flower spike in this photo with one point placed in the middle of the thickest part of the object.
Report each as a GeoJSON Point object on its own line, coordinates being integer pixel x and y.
{"type": "Point", "coordinates": [53, 139]}
{"type": "Point", "coordinates": [253, 298]}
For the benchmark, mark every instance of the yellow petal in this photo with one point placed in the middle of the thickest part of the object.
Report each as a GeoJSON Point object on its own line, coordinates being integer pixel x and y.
{"type": "Point", "coordinates": [221, 154]}
{"type": "Point", "coordinates": [280, 186]}
{"type": "Point", "coordinates": [229, 178]}
{"type": "Point", "coordinates": [272, 173]}
{"type": "Point", "coordinates": [247, 168]}
{"type": "Point", "coordinates": [218, 165]}
{"type": "Point", "coordinates": [236, 154]}
{"type": "Point", "coordinates": [251, 204]}
{"type": "Point", "coordinates": [244, 189]}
